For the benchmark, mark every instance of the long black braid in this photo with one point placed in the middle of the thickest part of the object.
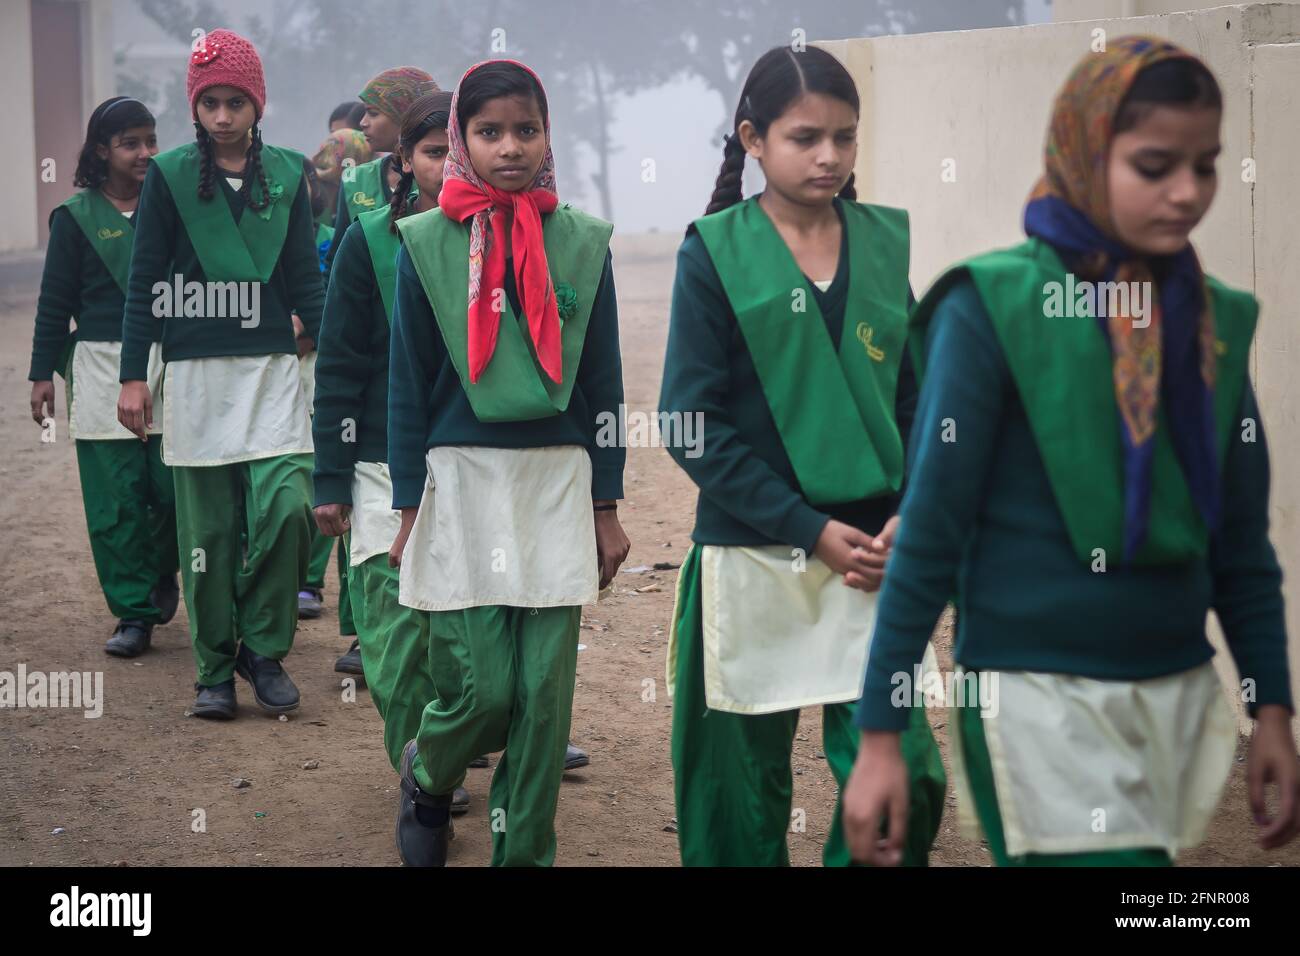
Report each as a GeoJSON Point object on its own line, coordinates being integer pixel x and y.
{"type": "Point", "coordinates": [253, 170]}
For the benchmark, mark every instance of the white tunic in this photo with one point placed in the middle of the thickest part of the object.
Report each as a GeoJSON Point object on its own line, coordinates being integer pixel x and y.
{"type": "Point", "coordinates": [373, 521]}
{"type": "Point", "coordinates": [502, 526]}
{"type": "Point", "coordinates": [307, 369]}
{"type": "Point", "coordinates": [93, 390]}
{"type": "Point", "coordinates": [233, 408]}
{"type": "Point", "coordinates": [1083, 765]}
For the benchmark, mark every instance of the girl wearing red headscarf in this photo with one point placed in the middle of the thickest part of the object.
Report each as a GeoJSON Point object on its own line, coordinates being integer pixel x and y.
{"type": "Point", "coordinates": [504, 366]}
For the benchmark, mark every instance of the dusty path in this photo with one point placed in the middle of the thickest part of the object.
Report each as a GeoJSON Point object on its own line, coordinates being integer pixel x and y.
{"type": "Point", "coordinates": [125, 787]}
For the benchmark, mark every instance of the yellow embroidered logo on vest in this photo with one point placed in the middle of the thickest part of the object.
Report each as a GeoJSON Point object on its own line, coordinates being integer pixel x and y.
{"type": "Point", "coordinates": [106, 233]}
{"type": "Point", "coordinates": [361, 199]}
{"type": "Point", "coordinates": [865, 333]}
{"type": "Point", "coordinates": [1220, 347]}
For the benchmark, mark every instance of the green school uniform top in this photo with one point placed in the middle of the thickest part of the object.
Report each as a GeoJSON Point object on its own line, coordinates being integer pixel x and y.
{"type": "Point", "coordinates": [365, 189]}
{"type": "Point", "coordinates": [352, 364]}
{"type": "Point", "coordinates": [428, 403]}
{"type": "Point", "coordinates": [288, 280]}
{"type": "Point", "coordinates": [87, 233]}
{"type": "Point", "coordinates": [750, 494]}
{"type": "Point", "coordinates": [981, 519]}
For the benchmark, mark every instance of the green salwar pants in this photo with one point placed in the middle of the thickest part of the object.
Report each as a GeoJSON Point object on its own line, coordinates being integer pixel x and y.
{"type": "Point", "coordinates": [979, 773]}
{"type": "Point", "coordinates": [394, 652]}
{"type": "Point", "coordinates": [244, 532]}
{"type": "Point", "coordinates": [321, 545]}
{"type": "Point", "coordinates": [732, 779]}
{"type": "Point", "coordinates": [130, 504]}
{"type": "Point", "coordinates": [504, 679]}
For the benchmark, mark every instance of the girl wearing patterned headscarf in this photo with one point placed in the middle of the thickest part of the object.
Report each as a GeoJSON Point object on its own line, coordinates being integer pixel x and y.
{"type": "Point", "coordinates": [504, 375]}
{"type": "Point", "coordinates": [1090, 387]}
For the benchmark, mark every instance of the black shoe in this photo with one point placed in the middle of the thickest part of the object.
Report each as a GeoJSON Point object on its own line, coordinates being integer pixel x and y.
{"type": "Point", "coordinates": [311, 603]}
{"type": "Point", "coordinates": [478, 763]}
{"type": "Point", "coordinates": [215, 703]}
{"type": "Point", "coordinates": [423, 821]}
{"type": "Point", "coordinates": [575, 757]}
{"type": "Point", "coordinates": [131, 639]}
{"type": "Point", "coordinates": [350, 663]}
{"type": "Point", "coordinates": [460, 801]}
{"type": "Point", "coordinates": [166, 596]}
{"type": "Point", "coordinates": [272, 688]}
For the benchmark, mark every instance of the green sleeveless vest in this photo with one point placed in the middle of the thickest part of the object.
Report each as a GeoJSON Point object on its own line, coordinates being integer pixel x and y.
{"type": "Point", "coordinates": [833, 403]}
{"type": "Point", "coordinates": [1063, 371]}
{"type": "Point", "coordinates": [513, 387]}
{"type": "Point", "coordinates": [383, 246]}
{"type": "Point", "coordinates": [363, 187]}
{"type": "Point", "coordinates": [242, 252]}
{"type": "Point", "coordinates": [108, 231]}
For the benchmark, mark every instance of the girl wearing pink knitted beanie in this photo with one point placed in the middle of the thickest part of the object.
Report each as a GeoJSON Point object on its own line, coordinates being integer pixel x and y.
{"type": "Point", "coordinates": [224, 253]}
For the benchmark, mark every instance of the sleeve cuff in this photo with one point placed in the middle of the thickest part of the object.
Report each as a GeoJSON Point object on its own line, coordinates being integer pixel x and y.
{"type": "Point", "coordinates": [333, 489]}
{"type": "Point", "coordinates": [876, 711]}
{"type": "Point", "coordinates": [407, 492]}
{"type": "Point", "coordinates": [133, 369]}
{"type": "Point", "coordinates": [804, 527]}
{"type": "Point", "coordinates": [606, 484]}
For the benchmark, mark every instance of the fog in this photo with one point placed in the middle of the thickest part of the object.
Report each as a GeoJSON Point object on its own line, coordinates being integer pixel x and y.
{"type": "Point", "coordinates": [640, 93]}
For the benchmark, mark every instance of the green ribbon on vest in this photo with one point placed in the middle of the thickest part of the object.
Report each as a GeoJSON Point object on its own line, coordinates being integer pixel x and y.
{"type": "Point", "coordinates": [838, 430]}
{"type": "Point", "coordinates": [243, 252]}
{"type": "Point", "coordinates": [363, 187]}
{"type": "Point", "coordinates": [513, 387]}
{"type": "Point", "coordinates": [108, 231]}
{"type": "Point", "coordinates": [1064, 373]}
{"type": "Point", "coordinates": [383, 244]}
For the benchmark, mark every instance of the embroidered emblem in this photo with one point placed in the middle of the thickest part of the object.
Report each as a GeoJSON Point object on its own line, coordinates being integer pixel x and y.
{"type": "Point", "coordinates": [361, 199]}
{"type": "Point", "coordinates": [864, 333]}
{"type": "Point", "coordinates": [1220, 347]}
{"type": "Point", "coordinates": [106, 233]}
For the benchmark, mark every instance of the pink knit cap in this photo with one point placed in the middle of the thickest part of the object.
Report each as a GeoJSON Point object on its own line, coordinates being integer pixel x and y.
{"type": "Point", "coordinates": [224, 58]}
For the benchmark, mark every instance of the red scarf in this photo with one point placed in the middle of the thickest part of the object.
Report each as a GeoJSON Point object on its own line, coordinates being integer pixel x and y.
{"type": "Point", "coordinates": [465, 196]}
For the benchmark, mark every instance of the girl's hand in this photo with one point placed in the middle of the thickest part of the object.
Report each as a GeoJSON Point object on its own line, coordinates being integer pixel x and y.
{"type": "Point", "coordinates": [843, 548]}
{"type": "Point", "coordinates": [875, 557]}
{"type": "Point", "coordinates": [332, 519]}
{"type": "Point", "coordinates": [876, 791]}
{"type": "Point", "coordinates": [612, 544]}
{"type": "Point", "coordinates": [301, 340]}
{"type": "Point", "coordinates": [42, 398]}
{"type": "Point", "coordinates": [135, 408]}
{"type": "Point", "coordinates": [1272, 759]}
{"type": "Point", "coordinates": [404, 532]}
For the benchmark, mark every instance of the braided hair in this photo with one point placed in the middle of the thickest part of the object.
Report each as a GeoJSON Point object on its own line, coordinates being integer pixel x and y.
{"type": "Point", "coordinates": [253, 171]}
{"type": "Point", "coordinates": [430, 111]}
{"type": "Point", "coordinates": [779, 78]}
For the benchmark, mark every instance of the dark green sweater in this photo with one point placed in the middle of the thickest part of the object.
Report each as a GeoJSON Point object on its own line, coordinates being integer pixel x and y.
{"type": "Point", "coordinates": [427, 406]}
{"type": "Point", "coordinates": [75, 284]}
{"type": "Point", "coordinates": [162, 249]}
{"type": "Point", "coordinates": [749, 494]}
{"type": "Point", "coordinates": [979, 520]}
{"type": "Point", "coordinates": [351, 372]}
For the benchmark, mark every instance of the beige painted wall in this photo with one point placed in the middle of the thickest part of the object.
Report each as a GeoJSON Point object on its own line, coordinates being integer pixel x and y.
{"type": "Point", "coordinates": [980, 101]}
{"type": "Point", "coordinates": [1063, 10]}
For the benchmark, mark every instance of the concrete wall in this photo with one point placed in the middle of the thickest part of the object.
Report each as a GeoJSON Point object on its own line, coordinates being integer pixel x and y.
{"type": "Point", "coordinates": [16, 114]}
{"type": "Point", "coordinates": [977, 104]}
{"type": "Point", "coordinates": [1063, 10]}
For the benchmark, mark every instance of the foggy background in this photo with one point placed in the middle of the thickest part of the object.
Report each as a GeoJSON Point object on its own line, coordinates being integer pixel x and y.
{"type": "Point", "coordinates": [628, 81]}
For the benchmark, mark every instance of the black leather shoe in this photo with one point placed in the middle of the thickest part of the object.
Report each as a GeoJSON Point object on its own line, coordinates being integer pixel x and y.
{"type": "Point", "coordinates": [423, 821]}
{"type": "Point", "coordinates": [460, 801]}
{"type": "Point", "coordinates": [478, 763]}
{"type": "Point", "coordinates": [311, 603]}
{"type": "Point", "coordinates": [215, 703]}
{"type": "Point", "coordinates": [166, 596]}
{"type": "Point", "coordinates": [272, 689]}
{"type": "Point", "coordinates": [350, 663]}
{"type": "Point", "coordinates": [131, 639]}
{"type": "Point", "coordinates": [575, 757]}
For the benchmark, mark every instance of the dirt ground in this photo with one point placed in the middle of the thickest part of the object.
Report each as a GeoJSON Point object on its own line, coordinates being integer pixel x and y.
{"type": "Point", "coordinates": [122, 789]}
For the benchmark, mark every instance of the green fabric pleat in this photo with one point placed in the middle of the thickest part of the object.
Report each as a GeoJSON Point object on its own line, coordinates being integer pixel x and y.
{"type": "Point", "coordinates": [504, 678]}
{"type": "Point", "coordinates": [394, 652]}
{"type": "Point", "coordinates": [109, 232]}
{"type": "Point", "coordinates": [244, 536]}
{"type": "Point", "coordinates": [979, 777]}
{"type": "Point", "coordinates": [732, 780]}
{"type": "Point", "coordinates": [130, 506]}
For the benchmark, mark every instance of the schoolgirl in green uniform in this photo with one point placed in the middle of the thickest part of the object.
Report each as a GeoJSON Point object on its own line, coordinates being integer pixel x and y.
{"type": "Point", "coordinates": [354, 493]}
{"type": "Point", "coordinates": [223, 257]}
{"type": "Point", "coordinates": [786, 343]}
{"type": "Point", "coordinates": [125, 487]}
{"type": "Point", "coordinates": [1090, 479]}
{"type": "Point", "coordinates": [504, 358]}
